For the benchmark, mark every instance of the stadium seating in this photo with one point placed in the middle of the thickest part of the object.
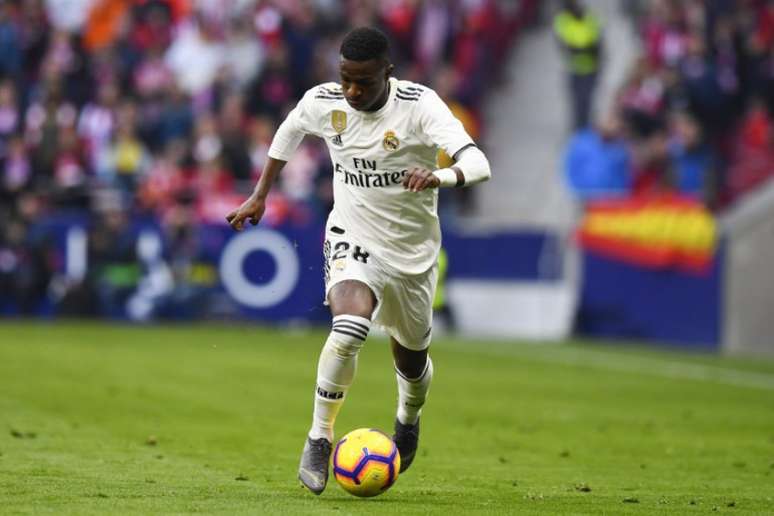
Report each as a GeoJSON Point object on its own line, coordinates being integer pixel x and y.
{"type": "Point", "coordinates": [161, 112]}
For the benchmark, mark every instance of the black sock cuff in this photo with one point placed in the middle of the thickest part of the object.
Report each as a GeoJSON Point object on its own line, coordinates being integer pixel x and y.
{"type": "Point", "coordinates": [417, 379]}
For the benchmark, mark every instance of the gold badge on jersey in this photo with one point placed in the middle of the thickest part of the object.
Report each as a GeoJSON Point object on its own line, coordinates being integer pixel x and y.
{"type": "Point", "coordinates": [339, 120]}
{"type": "Point", "coordinates": [390, 142]}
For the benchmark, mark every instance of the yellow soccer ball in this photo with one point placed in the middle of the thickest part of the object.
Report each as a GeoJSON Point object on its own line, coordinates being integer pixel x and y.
{"type": "Point", "coordinates": [366, 462]}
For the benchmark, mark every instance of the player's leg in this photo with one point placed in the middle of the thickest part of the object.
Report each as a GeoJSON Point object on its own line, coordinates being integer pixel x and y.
{"type": "Point", "coordinates": [409, 322]}
{"type": "Point", "coordinates": [414, 372]}
{"type": "Point", "coordinates": [352, 303]}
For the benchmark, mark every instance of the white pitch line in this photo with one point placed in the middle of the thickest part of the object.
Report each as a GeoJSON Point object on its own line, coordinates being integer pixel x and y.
{"type": "Point", "coordinates": [611, 361]}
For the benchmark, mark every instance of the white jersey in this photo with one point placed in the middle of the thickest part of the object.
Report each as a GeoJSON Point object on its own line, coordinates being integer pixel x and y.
{"type": "Point", "coordinates": [371, 153]}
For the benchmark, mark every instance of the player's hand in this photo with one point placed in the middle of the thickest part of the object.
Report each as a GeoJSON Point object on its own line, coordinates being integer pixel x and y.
{"type": "Point", "coordinates": [419, 179]}
{"type": "Point", "coordinates": [252, 209]}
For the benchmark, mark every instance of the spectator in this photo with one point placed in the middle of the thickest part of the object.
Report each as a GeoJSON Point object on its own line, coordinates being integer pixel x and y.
{"type": "Point", "coordinates": [17, 170]}
{"type": "Point", "coordinates": [152, 77]}
{"type": "Point", "coordinates": [260, 132]}
{"type": "Point", "coordinates": [214, 188]}
{"type": "Point", "coordinates": [753, 155]}
{"type": "Point", "coordinates": [598, 162]}
{"type": "Point", "coordinates": [34, 34]}
{"type": "Point", "coordinates": [25, 261]}
{"type": "Point", "coordinates": [128, 157]}
{"type": "Point", "coordinates": [197, 42]}
{"type": "Point", "coordinates": [10, 50]}
{"type": "Point", "coordinates": [580, 35]}
{"type": "Point", "coordinates": [193, 274]}
{"type": "Point", "coordinates": [692, 160]}
{"type": "Point", "coordinates": [68, 15]}
{"type": "Point", "coordinates": [700, 76]}
{"type": "Point", "coordinates": [272, 91]}
{"type": "Point", "coordinates": [166, 181]}
{"type": "Point", "coordinates": [232, 129]}
{"type": "Point", "coordinates": [244, 53]}
{"type": "Point", "coordinates": [176, 118]}
{"type": "Point", "coordinates": [763, 78]}
{"type": "Point", "coordinates": [642, 100]}
{"type": "Point", "coordinates": [651, 165]}
{"type": "Point", "coordinates": [70, 170]}
{"type": "Point", "coordinates": [114, 271]}
{"type": "Point", "coordinates": [9, 112]}
{"type": "Point", "coordinates": [97, 123]}
{"type": "Point", "coordinates": [153, 26]}
{"type": "Point", "coordinates": [664, 35]}
{"type": "Point", "coordinates": [434, 22]}
{"type": "Point", "coordinates": [103, 23]}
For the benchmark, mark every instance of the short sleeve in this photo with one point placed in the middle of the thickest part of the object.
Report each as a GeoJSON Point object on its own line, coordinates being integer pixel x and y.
{"type": "Point", "coordinates": [302, 120]}
{"type": "Point", "coordinates": [439, 126]}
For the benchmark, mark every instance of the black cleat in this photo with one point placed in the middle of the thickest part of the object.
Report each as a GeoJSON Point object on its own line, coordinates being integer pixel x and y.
{"type": "Point", "coordinates": [313, 470]}
{"type": "Point", "coordinates": [406, 439]}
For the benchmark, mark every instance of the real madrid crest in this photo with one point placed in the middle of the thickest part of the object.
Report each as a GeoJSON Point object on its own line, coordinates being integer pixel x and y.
{"type": "Point", "coordinates": [338, 120]}
{"type": "Point", "coordinates": [390, 142]}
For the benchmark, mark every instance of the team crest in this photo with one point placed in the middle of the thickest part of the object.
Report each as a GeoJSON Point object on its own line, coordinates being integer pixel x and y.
{"type": "Point", "coordinates": [339, 120]}
{"type": "Point", "coordinates": [390, 142]}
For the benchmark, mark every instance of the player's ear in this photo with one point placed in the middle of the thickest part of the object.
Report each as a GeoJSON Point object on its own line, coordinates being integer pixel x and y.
{"type": "Point", "coordinates": [388, 70]}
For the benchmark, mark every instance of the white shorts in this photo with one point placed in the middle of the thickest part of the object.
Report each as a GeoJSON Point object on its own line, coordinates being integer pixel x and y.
{"type": "Point", "coordinates": [404, 303]}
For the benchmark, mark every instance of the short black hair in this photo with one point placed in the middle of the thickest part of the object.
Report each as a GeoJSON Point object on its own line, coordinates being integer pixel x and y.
{"type": "Point", "coordinates": [364, 44]}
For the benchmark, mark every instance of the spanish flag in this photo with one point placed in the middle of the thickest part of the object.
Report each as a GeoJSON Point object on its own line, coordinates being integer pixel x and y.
{"type": "Point", "coordinates": [657, 232]}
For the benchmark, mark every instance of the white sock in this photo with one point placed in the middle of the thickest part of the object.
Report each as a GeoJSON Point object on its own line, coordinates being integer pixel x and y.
{"type": "Point", "coordinates": [412, 393]}
{"type": "Point", "coordinates": [336, 370]}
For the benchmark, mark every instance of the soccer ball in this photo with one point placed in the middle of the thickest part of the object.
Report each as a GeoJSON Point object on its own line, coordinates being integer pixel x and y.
{"type": "Point", "coordinates": [366, 462]}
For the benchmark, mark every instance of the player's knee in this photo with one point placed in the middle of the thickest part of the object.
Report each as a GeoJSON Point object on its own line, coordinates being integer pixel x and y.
{"type": "Point", "coordinates": [348, 333]}
{"type": "Point", "coordinates": [352, 298]}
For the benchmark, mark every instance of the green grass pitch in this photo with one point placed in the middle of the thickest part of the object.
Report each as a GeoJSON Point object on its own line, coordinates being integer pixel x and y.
{"type": "Point", "coordinates": [98, 419]}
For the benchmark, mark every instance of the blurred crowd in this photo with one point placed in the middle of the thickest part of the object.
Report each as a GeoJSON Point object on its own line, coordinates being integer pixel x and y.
{"type": "Point", "coordinates": [166, 109]}
{"type": "Point", "coordinates": [694, 115]}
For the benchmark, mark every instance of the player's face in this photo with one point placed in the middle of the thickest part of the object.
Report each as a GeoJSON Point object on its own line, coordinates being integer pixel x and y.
{"type": "Point", "coordinates": [365, 83]}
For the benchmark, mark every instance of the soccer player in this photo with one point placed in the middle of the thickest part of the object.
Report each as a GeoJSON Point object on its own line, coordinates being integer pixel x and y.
{"type": "Point", "coordinates": [382, 237]}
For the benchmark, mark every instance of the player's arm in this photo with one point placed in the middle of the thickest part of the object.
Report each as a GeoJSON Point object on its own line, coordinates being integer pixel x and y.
{"type": "Point", "coordinates": [300, 121]}
{"type": "Point", "coordinates": [252, 209]}
{"type": "Point", "coordinates": [441, 128]}
{"type": "Point", "coordinates": [471, 167]}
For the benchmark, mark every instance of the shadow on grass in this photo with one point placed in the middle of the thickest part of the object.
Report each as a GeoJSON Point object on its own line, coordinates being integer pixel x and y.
{"type": "Point", "coordinates": [383, 501]}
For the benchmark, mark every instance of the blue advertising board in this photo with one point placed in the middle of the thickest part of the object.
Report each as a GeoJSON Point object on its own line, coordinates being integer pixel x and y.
{"type": "Point", "coordinates": [621, 300]}
{"type": "Point", "coordinates": [263, 273]}
{"type": "Point", "coordinates": [275, 274]}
